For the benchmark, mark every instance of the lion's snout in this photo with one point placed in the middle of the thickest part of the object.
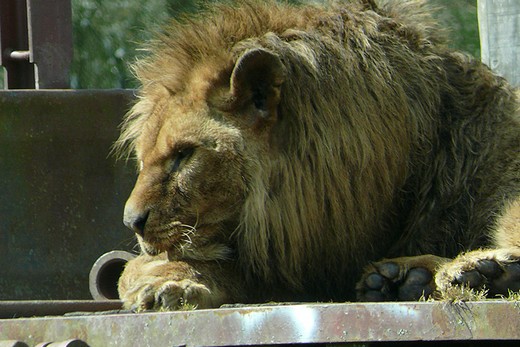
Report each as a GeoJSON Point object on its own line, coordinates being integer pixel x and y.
{"type": "Point", "coordinates": [135, 219]}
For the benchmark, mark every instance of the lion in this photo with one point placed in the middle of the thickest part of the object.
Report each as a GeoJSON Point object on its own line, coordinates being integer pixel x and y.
{"type": "Point", "coordinates": [329, 152]}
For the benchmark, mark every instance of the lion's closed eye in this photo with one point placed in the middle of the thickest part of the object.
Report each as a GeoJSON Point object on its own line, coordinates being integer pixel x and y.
{"type": "Point", "coordinates": [180, 157]}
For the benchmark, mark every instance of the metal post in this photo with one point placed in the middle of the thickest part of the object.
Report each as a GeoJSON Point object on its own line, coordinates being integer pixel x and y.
{"type": "Point", "coordinates": [499, 23]}
{"type": "Point", "coordinates": [14, 45]}
{"type": "Point", "coordinates": [36, 43]}
{"type": "Point", "coordinates": [50, 42]}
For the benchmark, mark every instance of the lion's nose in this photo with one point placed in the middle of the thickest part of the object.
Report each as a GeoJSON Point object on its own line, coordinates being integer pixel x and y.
{"type": "Point", "coordinates": [135, 220]}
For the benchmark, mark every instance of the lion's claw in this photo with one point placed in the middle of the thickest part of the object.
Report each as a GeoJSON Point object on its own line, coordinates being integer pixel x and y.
{"type": "Point", "coordinates": [496, 271]}
{"type": "Point", "coordinates": [170, 295]}
{"type": "Point", "coordinates": [498, 280]}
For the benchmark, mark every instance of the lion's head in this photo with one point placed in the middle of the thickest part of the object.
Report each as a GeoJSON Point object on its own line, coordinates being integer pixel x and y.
{"type": "Point", "coordinates": [193, 155]}
{"type": "Point", "coordinates": [266, 139]}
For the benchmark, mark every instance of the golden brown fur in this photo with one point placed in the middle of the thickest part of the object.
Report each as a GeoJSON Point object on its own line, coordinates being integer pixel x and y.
{"type": "Point", "coordinates": [284, 147]}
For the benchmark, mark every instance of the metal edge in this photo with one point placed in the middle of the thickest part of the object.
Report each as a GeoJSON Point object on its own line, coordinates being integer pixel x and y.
{"type": "Point", "coordinates": [286, 324]}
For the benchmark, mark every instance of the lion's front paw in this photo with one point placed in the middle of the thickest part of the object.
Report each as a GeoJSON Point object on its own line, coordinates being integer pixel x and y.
{"type": "Point", "coordinates": [497, 272]}
{"type": "Point", "coordinates": [401, 279]}
{"type": "Point", "coordinates": [171, 295]}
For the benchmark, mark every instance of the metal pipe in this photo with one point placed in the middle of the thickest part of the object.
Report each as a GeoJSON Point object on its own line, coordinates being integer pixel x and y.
{"type": "Point", "coordinates": [68, 343]}
{"type": "Point", "coordinates": [105, 274]}
{"type": "Point", "coordinates": [12, 343]}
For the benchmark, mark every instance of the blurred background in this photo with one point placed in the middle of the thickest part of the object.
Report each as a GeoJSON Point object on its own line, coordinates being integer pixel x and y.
{"type": "Point", "coordinates": [107, 34]}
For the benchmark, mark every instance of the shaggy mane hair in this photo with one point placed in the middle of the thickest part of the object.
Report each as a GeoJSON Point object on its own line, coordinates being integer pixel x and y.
{"type": "Point", "coordinates": [374, 139]}
{"type": "Point", "coordinates": [212, 34]}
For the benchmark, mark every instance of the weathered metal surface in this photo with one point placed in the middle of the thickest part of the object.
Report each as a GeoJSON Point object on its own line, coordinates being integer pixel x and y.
{"type": "Point", "coordinates": [62, 193]}
{"type": "Point", "coordinates": [32, 308]}
{"type": "Point", "coordinates": [291, 324]}
{"type": "Point", "coordinates": [50, 42]}
{"type": "Point", "coordinates": [105, 274]}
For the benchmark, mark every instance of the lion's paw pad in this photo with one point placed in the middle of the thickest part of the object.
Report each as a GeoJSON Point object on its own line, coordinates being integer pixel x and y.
{"type": "Point", "coordinates": [388, 283]}
{"type": "Point", "coordinates": [487, 273]}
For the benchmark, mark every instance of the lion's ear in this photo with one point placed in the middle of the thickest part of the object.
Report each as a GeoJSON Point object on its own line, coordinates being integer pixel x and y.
{"type": "Point", "coordinates": [256, 81]}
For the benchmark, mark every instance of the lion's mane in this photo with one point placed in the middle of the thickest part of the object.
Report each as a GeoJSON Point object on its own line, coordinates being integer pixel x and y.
{"type": "Point", "coordinates": [385, 142]}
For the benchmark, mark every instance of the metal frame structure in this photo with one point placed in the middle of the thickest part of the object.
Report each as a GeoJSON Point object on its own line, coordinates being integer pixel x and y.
{"type": "Point", "coordinates": [36, 43]}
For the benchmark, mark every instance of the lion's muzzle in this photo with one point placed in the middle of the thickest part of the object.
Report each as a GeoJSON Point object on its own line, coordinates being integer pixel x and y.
{"type": "Point", "coordinates": [135, 219]}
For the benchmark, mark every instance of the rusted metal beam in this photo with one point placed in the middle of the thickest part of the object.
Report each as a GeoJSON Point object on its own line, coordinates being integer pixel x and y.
{"type": "Point", "coordinates": [285, 324]}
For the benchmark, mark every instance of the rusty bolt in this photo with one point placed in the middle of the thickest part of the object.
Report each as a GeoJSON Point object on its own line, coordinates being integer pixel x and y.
{"type": "Point", "coordinates": [20, 55]}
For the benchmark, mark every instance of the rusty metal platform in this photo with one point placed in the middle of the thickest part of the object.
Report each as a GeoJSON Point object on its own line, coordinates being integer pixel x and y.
{"type": "Point", "coordinates": [284, 324]}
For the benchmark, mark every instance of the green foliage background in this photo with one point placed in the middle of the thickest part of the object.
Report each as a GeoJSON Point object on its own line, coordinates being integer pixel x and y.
{"type": "Point", "coordinates": [460, 19]}
{"type": "Point", "coordinates": [107, 34]}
